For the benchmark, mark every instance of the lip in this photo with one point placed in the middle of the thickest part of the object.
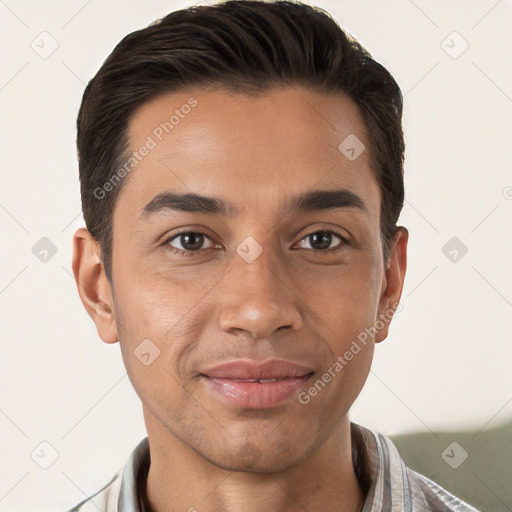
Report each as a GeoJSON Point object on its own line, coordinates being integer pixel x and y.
{"type": "Point", "coordinates": [240, 382]}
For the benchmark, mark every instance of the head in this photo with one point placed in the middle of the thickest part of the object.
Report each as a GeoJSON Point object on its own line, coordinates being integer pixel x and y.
{"type": "Point", "coordinates": [241, 170]}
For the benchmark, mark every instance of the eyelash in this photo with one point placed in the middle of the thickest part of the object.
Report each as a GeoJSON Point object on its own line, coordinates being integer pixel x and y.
{"type": "Point", "coordinates": [180, 252]}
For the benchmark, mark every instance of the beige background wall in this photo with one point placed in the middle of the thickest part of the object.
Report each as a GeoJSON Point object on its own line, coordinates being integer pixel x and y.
{"type": "Point", "coordinates": [446, 364]}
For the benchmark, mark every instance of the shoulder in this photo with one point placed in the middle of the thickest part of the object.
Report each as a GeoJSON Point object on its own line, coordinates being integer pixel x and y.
{"type": "Point", "coordinates": [105, 499]}
{"type": "Point", "coordinates": [123, 488]}
{"type": "Point", "coordinates": [393, 485]}
{"type": "Point", "coordinates": [437, 497]}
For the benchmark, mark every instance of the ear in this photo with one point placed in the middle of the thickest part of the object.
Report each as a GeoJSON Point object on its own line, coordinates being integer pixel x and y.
{"type": "Point", "coordinates": [93, 286]}
{"type": "Point", "coordinates": [393, 281]}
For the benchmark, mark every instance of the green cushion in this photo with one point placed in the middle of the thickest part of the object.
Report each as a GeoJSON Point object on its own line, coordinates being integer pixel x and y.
{"type": "Point", "coordinates": [477, 467]}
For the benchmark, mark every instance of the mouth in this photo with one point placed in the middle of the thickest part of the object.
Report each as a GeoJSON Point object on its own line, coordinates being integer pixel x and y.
{"type": "Point", "coordinates": [252, 385]}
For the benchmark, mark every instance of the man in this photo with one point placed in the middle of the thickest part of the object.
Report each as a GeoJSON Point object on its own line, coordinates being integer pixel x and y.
{"type": "Point", "coordinates": [241, 170]}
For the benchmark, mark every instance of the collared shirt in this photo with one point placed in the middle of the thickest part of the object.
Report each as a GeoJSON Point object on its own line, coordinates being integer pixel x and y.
{"type": "Point", "coordinates": [391, 486]}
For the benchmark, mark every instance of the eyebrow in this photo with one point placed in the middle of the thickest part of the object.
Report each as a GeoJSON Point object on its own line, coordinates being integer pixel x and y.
{"type": "Point", "coordinates": [316, 200]}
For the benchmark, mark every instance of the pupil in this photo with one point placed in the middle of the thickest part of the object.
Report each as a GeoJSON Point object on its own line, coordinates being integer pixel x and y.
{"type": "Point", "coordinates": [187, 244]}
{"type": "Point", "coordinates": [325, 239]}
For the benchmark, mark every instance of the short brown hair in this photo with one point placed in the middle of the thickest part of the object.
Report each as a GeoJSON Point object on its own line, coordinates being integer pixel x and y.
{"type": "Point", "coordinates": [245, 46]}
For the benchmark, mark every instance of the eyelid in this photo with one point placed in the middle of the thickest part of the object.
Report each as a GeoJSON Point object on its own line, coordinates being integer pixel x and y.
{"type": "Point", "coordinates": [327, 228]}
{"type": "Point", "coordinates": [170, 234]}
{"type": "Point", "coordinates": [344, 240]}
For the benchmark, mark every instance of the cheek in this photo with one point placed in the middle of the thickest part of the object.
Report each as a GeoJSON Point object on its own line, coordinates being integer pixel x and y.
{"type": "Point", "coordinates": [345, 299]}
{"type": "Point", "coordinates": [159, 303]}
{"type": "Point", "coordinates": [162, 317]}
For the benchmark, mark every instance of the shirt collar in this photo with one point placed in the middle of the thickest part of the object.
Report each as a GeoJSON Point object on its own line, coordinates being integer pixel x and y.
{"type": "Point", "coordinates": [134, 479]}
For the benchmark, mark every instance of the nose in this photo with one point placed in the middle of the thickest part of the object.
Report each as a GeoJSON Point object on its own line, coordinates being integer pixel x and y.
{"type": "Point", "coordinates": [258, 298]}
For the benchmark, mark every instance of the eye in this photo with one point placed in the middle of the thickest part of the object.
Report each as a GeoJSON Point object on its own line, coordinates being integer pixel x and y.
{"type": "Point", "coordinates": [320, 241]}
{"type": "Point", "coordinates": [190, 242]}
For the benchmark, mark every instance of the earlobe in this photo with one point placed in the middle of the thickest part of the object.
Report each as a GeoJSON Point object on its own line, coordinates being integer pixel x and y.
{"type": "Point", "coordinates": [393, 281]}
{"type": "Point", "coordinates": [93, 286]}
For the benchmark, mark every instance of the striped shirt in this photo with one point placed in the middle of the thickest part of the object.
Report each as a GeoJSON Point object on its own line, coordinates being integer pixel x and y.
{"type": "Point", "coordinates": [390, 485]}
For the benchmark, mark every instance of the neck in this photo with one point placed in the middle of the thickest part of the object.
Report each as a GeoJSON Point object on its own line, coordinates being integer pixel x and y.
{"type": "Point", "coordinates": [181, 479]}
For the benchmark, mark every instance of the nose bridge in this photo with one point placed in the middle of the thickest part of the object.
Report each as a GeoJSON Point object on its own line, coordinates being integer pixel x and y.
{"type": "Point", "coordinates": [255, 297]}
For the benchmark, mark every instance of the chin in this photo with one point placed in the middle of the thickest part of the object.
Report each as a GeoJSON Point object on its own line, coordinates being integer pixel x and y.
{"type": "Point", "coordinates": [257, 458]}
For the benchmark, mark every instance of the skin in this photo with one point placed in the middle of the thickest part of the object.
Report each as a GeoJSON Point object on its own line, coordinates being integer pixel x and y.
{"type": "Point", "coordinates": [291, 302]}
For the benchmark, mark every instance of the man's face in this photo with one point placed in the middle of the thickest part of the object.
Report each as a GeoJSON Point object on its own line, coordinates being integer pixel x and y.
{"type": "Point", "coordinates": [204, 300]}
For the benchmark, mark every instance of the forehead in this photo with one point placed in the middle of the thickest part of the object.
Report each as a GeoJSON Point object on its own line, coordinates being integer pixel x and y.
{"type": "Point", "coordinates": [253, 151]}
